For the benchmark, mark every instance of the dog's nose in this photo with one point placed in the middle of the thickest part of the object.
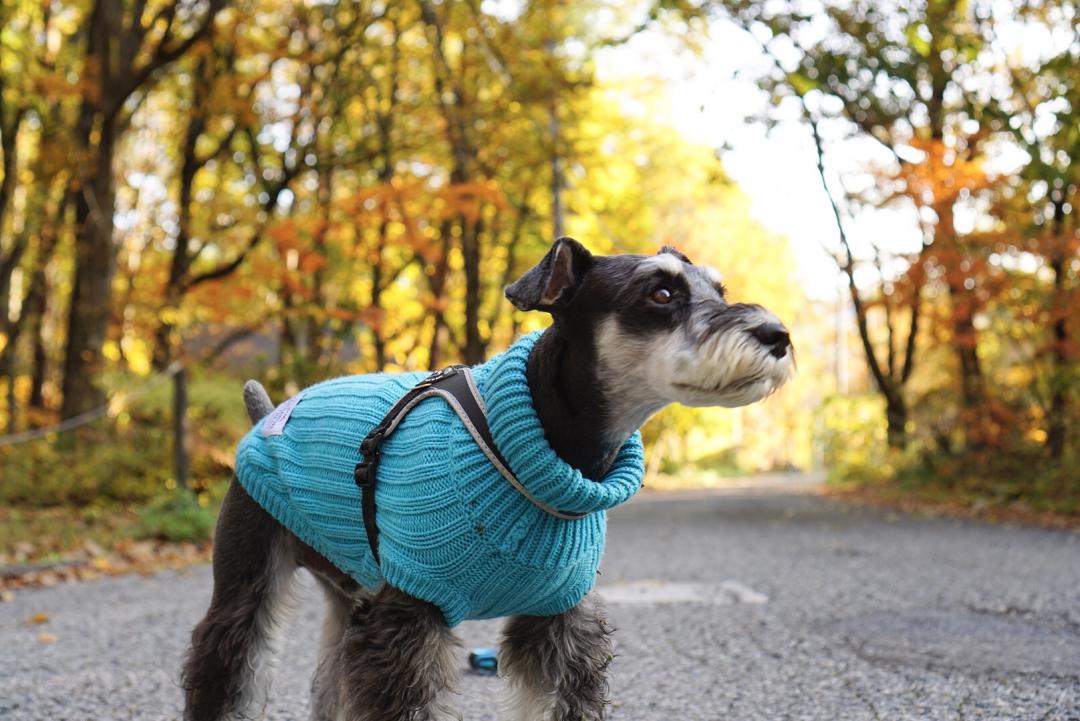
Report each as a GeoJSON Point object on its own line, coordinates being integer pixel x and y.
{"type": "Point", "coordinates": [773, 336]}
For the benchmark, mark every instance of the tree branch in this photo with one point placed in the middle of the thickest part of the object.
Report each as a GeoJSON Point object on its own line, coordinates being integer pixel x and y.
{"type": "Point", "coordinates": [164, 54]}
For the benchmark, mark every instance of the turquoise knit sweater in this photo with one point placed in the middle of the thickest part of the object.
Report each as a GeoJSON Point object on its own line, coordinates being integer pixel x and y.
{"type": "Point", "coordinates": [452, 531]}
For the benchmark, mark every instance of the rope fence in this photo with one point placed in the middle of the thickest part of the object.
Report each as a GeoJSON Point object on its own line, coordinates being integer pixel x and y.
{"type": "Point", "coordinates": [110, 408]}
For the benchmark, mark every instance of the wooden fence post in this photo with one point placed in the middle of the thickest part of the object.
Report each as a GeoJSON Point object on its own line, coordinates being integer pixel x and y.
{"type": "Point", "coordinates": [180, 446]}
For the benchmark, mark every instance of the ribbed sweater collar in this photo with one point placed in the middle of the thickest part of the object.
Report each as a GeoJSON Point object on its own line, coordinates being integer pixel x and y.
{"type": "Point", "coordinates": [519, 435]}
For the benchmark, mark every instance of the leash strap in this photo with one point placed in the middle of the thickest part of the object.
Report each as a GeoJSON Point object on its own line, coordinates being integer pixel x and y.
{"type": "Point", "coordinates": [455, 385]}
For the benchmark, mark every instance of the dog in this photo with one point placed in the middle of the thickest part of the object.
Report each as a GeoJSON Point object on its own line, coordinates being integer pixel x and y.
{"type": "Point", "coordinates": [630, 334]}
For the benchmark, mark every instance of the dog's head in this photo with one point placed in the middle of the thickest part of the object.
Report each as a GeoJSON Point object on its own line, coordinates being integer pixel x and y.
{"type": "Point", "coordinates": [663, 329]}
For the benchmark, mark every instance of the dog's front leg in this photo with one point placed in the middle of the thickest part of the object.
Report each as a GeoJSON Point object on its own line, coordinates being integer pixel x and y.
{"type": "Point", "coordinates": [557, 665]}
{"type": "Point", "coordinates": [398, 661]}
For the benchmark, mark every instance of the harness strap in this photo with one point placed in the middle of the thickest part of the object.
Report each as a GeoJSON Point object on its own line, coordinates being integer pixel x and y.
{"type": "Point", "coordinates": [455, 385]}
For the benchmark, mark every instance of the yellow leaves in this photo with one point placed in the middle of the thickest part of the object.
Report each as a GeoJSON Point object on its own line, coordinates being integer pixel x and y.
{"type": "Point", "coordinates": [111, 350]}
{"type": "Point", "coordinates": [46, 637]}
{"type": "Point", "coordinates": [354, 110]}
{"type": "Point", "coordinates": [169, 314]}
{"type": "Point", "coordinates": [137, 352]}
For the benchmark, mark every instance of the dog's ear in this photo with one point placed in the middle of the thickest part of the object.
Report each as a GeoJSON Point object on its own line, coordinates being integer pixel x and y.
{"type": "Point", "coordinates": [550, 284]}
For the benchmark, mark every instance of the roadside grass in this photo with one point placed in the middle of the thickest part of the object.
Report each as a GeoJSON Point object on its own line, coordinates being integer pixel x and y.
{"type": "Point", "coordinates": [694, 478]}
{"type": "Point", "coordinates": [30, 535]}
{"type": "Point", "coordinates": [44, 535]}
{"type": "Point", "coordinates": [1013, 480]}
{"type": "Point", "coordinates": [127, 458]}
{"type": "Point", "coordinates": [1031, 494]}
{"type": "Point", "coordinates": [104, 498]}
{"type": "Point", "coordinates": [47, 546]}
{"type": "Point", "coordinates": [178, 517]}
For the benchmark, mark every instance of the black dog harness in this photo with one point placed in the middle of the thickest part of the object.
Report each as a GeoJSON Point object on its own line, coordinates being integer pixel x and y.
{"type": "Point", "coordinates": [455, 385]}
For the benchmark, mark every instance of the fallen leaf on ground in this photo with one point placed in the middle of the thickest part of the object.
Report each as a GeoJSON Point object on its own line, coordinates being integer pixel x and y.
{"type": "Point", "coordinates": [48, 578]}
{"type": "Point", "coordinates": [37, 619]}
{"type": "Point", "coordinates": [92, 548]}
{"type": "Point", "coordinates": [143, 557]}
{"type": "Point", "coordinates": [46, 637]}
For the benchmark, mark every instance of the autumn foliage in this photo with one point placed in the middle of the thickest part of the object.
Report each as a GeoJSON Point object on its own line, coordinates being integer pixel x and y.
{"type": "Point", "coordinates": [969, 117]}
{"type": "Point", "coordinates": [299, 189]}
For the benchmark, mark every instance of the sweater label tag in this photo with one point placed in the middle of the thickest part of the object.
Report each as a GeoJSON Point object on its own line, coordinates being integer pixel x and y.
{"type": "Point", "coordinates": [275, 422]}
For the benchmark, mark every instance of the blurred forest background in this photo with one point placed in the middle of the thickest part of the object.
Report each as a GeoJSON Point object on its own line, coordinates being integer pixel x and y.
{"type": "Point", "coordinates": [198, 191]}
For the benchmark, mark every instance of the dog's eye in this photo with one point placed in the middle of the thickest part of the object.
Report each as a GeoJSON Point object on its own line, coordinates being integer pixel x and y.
{"type": "Point", "coordinates": [662, 296]}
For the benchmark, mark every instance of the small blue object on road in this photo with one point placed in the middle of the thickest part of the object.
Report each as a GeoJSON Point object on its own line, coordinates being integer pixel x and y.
{"type": "Point", "coordinates": [484, 660]}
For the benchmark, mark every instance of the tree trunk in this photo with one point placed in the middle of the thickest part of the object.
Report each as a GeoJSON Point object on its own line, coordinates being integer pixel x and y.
{"type": "Point", "coordinates": [115, 36]}
{"type": "Point", "coordinates": [896, 415]}
{"type": "Point", "coordinates": [964, 304]}
{"type": "Point", "coordinates": [39, 358]}
{"type": "Point", "coordinates": [1056, 419]}
{"type": "Point", "coordinates": [181, 451]}
{"type": "Point", "coordinates": [962, 299]}
{"type": "Point", "coordinates": [378, 339]}
{"type": "Point", "coordinates": [470, 251]}
{"type": "Point", "coordinates": [8, 136]}
{"type": "Point", "coordinates": [165, 334]}
{"type": "Point", "coordinates": [35, 308]}
{"type": "Point", "coordinates": [437, 283]}
{"type": "Point", "coordinates": [95, 265]}
{"type": "Point", "coordinates": [1057, 416]}
{"type": "Point", "coordinates": [965, 338]}
{"type": "Point", "coordinates": [7, 370]}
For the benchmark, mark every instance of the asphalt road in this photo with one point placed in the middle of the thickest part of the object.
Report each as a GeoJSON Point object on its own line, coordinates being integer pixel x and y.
{"type": "Point", "coordinates": [728, 606]}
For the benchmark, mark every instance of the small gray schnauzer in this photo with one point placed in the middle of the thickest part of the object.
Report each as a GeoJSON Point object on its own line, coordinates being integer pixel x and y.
{"type": "Point", "coordinates": [631, 334]}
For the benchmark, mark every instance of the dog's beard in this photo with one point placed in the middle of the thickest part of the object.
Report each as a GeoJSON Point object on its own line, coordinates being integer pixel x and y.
{"type": "Point", "coordinates": [727, 367]}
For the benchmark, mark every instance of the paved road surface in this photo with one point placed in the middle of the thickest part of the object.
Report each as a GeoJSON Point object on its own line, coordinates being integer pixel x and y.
{"type": "Point", "coordinates": [737, 606]}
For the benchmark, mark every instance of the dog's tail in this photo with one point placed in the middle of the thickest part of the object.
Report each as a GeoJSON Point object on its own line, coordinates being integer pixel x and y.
{"type": "Point", "coordinates": [257, 401]}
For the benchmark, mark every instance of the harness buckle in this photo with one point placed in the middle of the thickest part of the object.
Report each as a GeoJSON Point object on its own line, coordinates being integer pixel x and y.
{"type": "Point", "coordinates": [364, 473]}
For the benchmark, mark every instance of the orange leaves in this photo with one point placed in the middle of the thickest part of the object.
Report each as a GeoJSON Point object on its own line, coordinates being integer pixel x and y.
{"type": "Point", "coordinates": [468, 199]}
{"type": "Point", "coordinates": [311, 262]}
{"type": "Point", "coordinates": [287, 233]}
{"type": "Point", "coordinates": [297, 241]}
{"type": "Point", "coordinates": [942, 174]}
{"type": "Point", "coordinates": [401, 198]}
{"type": "Point", "coordinates": [413, 212]}
{"type": "Point", "coordinates": [38, 619]}
{"type": "Point", "coordinates": [56, 87]}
